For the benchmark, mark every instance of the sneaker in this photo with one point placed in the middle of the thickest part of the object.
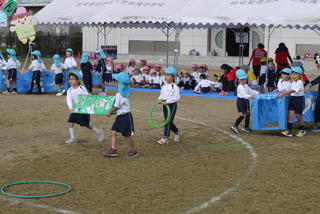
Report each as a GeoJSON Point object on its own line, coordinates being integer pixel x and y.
{"type": "Point", "coordinates": [100, 135]}
{"type": "Point", "coordinates": [178, 136]}
{"type": "Point", "coordinates": [316, 128]}
{"type": "Point", "coordinates": [63, 91]}
{"type": "Point", "coordinates": [13, 93]}
{"type": "Point", "coordinates": [59, 94]}
{"type": "Point", "coordinates": [235, 129]}
{"type": "Point", "coordinates": [132, 153]}
{"type": "Point", "coordinates": [287, 133]}
{"type": "Point", "coordinates": [71, 141]}
{"type": "Point", "coordinates": [300, 133]}
{"type": "Point", "coordinates": [245, 129]}
{"type": "Point", "coordinates": [163, 141]}
{"type": "Point", "coordinates": [6, 93]}
{"type": "Point", "coordinates": [111, 153]}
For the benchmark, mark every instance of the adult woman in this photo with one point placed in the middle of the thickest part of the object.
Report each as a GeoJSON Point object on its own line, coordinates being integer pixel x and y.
{"type": "Point", "coordinates": [282, 56]}
{"type": "Point", "coordinates": [256, 56]}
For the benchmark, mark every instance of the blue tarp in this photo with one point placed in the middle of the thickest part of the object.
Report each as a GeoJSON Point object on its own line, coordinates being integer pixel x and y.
{"type": "Point", "coordinates": [271, 113]}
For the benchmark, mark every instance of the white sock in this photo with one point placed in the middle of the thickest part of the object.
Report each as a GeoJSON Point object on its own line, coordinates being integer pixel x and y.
{"type": "Point", "coordinates": [95, 129]}
{"type": "Point", "coordinates": [72, 134]}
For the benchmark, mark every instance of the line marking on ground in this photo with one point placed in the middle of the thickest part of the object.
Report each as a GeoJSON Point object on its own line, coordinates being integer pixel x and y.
{"type": "Point", "coordinates": [251, 167]}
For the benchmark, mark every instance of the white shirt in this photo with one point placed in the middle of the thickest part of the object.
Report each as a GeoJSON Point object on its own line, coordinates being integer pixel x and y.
{"type": "Point", "coordinates": [284, 85]}
{"type": "Point", "coordinates": [244, 91]}
{"type": "Point", "coordinates": [129, 70]}
{"type": "Point", "coordinates": [203, 84]}
{"type": "Point", "coordinates": [12, 64]}
{"type": "Point", "coordinates": [3, 64]}
{"type": "Point", "coordinates": [69, 62]}
{"type": "Point", "coordinates": [263, 70]}
{"type": "Point", "coordinates": [137, 78]}
{"type": "Point", "coordinates": [170, 93]}
{"type": "Point", "coordinates": [109, 69]}
{"type": "Point", "coordinates": [155, 80]}
{"type": "Point", "coordinates": [217, 85]}
{"type": "Point", "coordinates": [195, 76]}
{"type": "Point", "coordinates": [55, 69]}
{"type": "Point", "coordinates": [184, 80]}
{"type": "Point", "coordinates": [72, 95]}
{"type": "Point", "coordinates": [162, 80]}
{"type": "Point", "coordinates": [298, 87]}
{"type": "Point", "coordinates": [123, 104]}
{"type": "Point", "coordinates": [36, 66]}
{"type": "Point", "coordinates": [146, 77]}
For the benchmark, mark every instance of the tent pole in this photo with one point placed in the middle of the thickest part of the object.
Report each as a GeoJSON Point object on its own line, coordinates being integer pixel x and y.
{"type": "Point", "coordinates": [177, 51]}
{"type": "Point", "coordinates": [105, 36]}
{"type": "Point", "coordinates": [167, 34]}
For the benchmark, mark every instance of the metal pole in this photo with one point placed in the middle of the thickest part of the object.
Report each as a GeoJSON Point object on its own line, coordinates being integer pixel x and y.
{"type": "Point", "coordinates": [98, 37]}
{"type": "Point", "coordinates": [177, 51]}
{"type": "Point", "coordinates": [167, 34]}
{"type": "Point", "coordinates": [105, 35]}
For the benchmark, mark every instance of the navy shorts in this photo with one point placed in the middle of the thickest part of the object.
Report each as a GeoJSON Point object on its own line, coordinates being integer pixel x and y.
{"type": "Point", "coordinates": [205, 89]}
{"type": "Point", "coordinates": [107, 77]}
{"type": "Point", "coordinates": [243, 106]}
{"type": "Point", "coordinates": [59, 79]}
{"type": "Point", "coordinates": [81, 119]}
{"type": "Point", "coordinates": [124, 125]}
{"type": "Point", "coordinates": [12, 74]}
{"type": "Point", "coordinates": [296, 104]}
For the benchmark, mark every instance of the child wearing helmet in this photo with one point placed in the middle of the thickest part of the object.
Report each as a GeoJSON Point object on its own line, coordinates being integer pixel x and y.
{"type": "Point", "coordinates": [284, 83]}
{"type": "Point", "coordinates": [101, 68]}
{"type": "Point", "coordinates": [57, 68]}
{"type": "Point", "coordinates": [86, 69]}
{"type": "Point", "coordinates": [69, 62]}
{"type": "Point", "coordinates": [170, 95]}
{"type": "Point", "coordinates": [154, 79]}
{"type": "Point", "coordinates": [296, 102]}
{"type": "Point", "coordinates": [12, 65]}
{"type": "Point", "coordinates": [36, 68]}
{"type": "Point", "coordinates": [77, 88]}
{"type": "Point", "coordinates": [244, 93]}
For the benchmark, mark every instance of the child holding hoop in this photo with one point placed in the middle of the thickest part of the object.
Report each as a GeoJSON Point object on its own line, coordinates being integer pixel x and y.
{"type": "Point", "coordinates": [170, 95]}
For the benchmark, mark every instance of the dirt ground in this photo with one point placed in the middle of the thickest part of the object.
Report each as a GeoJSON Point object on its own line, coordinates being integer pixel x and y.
{"type": "Point", "coordinates": [166, 179]}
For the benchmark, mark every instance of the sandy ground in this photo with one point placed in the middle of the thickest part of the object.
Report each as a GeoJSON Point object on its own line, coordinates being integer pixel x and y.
{"type": "Point", "coordinates": [167, 179]}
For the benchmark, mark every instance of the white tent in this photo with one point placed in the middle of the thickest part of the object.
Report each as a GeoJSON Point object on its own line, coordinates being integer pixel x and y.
{"type": "Point", "coordinates": [184, 13]}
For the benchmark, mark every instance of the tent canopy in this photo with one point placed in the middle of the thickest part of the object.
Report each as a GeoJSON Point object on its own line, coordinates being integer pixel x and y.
{"type": "Point", "coordinates": [183, 13]}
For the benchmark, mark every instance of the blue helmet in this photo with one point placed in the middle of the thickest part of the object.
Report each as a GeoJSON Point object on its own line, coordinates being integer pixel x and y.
{"type": "Point", "coordinates": [124, 84]}
{"type": "Point", "coordinates": [77, 75]}
{"type": "Point", "coordinates": [84, 57]}
{"type": "Point", "coordinates": [101, 53]}
{"type": "Point", "coordinates": [241, 74]}
{"type": "Point", "coordinates": [56, 60]}
{"type": "Point", "coordinates": [38, 54]}
{"type": "Point", "coordinates": [171, 70]}
{"type": "Point", "coordinates": [298, 70]}
{"type": "Point", "coordinates": [286, 71]}
{"type": "Point", "coordinates": [69, 50]}
{"type": "Point", "coordinates": [12, 53]}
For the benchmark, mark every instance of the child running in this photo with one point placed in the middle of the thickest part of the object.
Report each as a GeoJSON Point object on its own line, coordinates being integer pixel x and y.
{"type": "Point", "coordinates": [76, 89]}
{"type": "Point", "coordinates": [296, 103]}
{"type": "Point", "coordinates": [124, 121]}
{"type": "Point", "coordinates": [244, 93]}
{"type": "Point", "coordinates": [57, 68]}
{"type": "Point", "coordinates": [169, 95]}
{"type": "Point", "coordinates": [12, 65]}
{"type": "Point", "coordinates": [36, 68]}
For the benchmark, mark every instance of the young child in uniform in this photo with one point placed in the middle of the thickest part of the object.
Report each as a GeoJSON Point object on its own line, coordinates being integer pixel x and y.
{"type": "Point", "coordinates": [101, 68]}
{"type": "Point", "coordinates": [170, 95]}
{"type": "Point", "coordinates": [69, 61]}
{"type": "Point", "coordinates": [118, 68]}
{"type": "Point", "coordinates": [36, 68]}
{"type": "Point", "coordinates": [204, 86]}
{"type": "Point", "coordinates": [2, 62]}
{"type": "Point", "coordinates": [12, 65]}
{"type": "Point", "coordinates": [86, 69]}
{"type": "Point", "coordinates": [296, 103]}
{"type": "Point", "coordinates": [184, 81]}
{"type": "Point", "coordinates": [136, 79]}
{"type": "Point", "coordinates": [131, 67]}
{"type": "Point", "coordinates": [244, 93]}
{"type": "Point", "coordinates": [154, 79]}
{"type": "Point", "coordinates": [216, 85]}
{"type": "Point", "coordinates": [124, 121]}
{"type": "Point", "coordinates": [108, 76]}
{"type": "Point", "coordinates": [57, 68]}
{"type": "Point", "coordinates": [75, 80]}
{"type": "Point", "coordinates": [284, 83]}
{"type": "Point", "coordinates": [145, 76]}
{"type": "Point", "coordinates": [158, 68]}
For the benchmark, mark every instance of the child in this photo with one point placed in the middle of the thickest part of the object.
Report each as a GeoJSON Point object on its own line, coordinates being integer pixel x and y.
{"type": "Point", "coordinates": [131, 67]}
{"type": "Point", "coordinates": [136, 79]}
{"type": "Point", "coordinates": [204, 86]}
{"type": "Point", "coordinates": [118, 68]}
{"type": "Point", "coordinates": [216, 85]}
{"type": "Point", "coordinates": [124, 120]}
{"type": "Point", "coordinates": [296, 102]}
{"type": "Point", "coordinates": [227, 79]}
{"type": "Point", "coordinates": [158, 68]}
{"type": "Point", "coordinates": [86, 69]}
{"type": "Point", "coordinates": [244, 93]}
{"type": "Point", "coordinates": [154, 79]}
{"type": "Point", "coordinates": [108, 75]}
{"type": "Point", "coordinates": [76, 89]}
{"type": "Point", "coordinates": [56, 68]}
{"type": "Point", "coordinates": [203, 70]}
{"type": "Point", "coordinates": [170, 95]}
{"type": "Point", "coordinates": [36, 68]}
{"type": "Point", "coordinates": [195, 73]}
{"type": "Point", "coordinates": [101, 68]}
{"type": "Point", "coordinates": [69, 62]}
{"type": "Point", "coordinates": [314, 82]}
{"type": "Point", "coordinates": [185, 80]}
{"type": "Point", "coordinates": [145, 76]}
{"type": "Point", "coordinates": [2, 62]}
{"type": "Point", "coordinates": [284, 83]}
{"type": "Point", "coordinates": [263, 69]}
{"type": "Point", "coordinates": [12, 65]}
{"type": "Point", "coordinates": [271, 75]}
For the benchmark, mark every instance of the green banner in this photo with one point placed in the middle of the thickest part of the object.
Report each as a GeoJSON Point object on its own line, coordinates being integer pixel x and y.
{"type": "Point", "coordinates": [9, 7]}
{"type": "Point", "coordinates": [94, 104]}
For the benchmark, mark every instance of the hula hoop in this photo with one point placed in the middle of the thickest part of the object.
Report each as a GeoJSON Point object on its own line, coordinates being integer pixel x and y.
{"type": "Point", "coordinates": [69, 188]}
{"type": "Point", "coordinates": [162, 124]}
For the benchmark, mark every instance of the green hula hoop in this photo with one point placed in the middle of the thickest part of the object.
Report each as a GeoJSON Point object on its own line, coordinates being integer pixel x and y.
{"type": "Point", "coordinates": [69, 188]}
{"type": "Point", "coordinates": [166, 120]}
